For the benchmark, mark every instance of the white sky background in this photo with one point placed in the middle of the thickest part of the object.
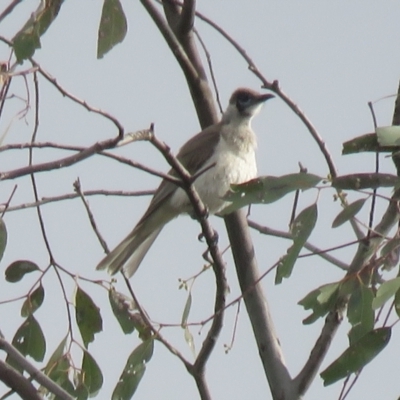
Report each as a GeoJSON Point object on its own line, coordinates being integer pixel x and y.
{"type": "Point", "coordinates": [330, 57]}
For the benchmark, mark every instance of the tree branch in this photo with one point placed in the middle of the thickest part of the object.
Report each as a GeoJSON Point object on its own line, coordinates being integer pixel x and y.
{"type": "Point", "coordinates": [9, 9]}
{"type": "Point", "coordinates": [209, 234]}
{"type": "Point", "coordinates": [306, 376]}
{"type": "Point", "coordinates": [61, 163]}
{"type": "Point", "coordinates": [197, 82]}
{"type": "Point", "coordinates": [287, 235]}
{"type": "Point", "coordinates": [257, 308]}
{"type": "Point", "coordinates": [36, 374]}
{"type": "Point", "coordinates": [18, 383]}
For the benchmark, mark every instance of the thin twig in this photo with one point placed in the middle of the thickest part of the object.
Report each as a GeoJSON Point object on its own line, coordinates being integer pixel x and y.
{"type": "Point", "coordinates": [9, 9]}
{"type": "Point", "coordinates": [287, 235]}
{"type": "Point", "coordinates": [80, 149]}
{"type": "Point", "coordinates": [78, 190]}
{"type": "Point", "coordinates": [70, 196]}
{"type": "Point", "coordinates": [211, 70]}
{"type": "Point", "coordinates": [83, 103]}
{"type": "Point", "coordinates": [373, 202]}
{"type": "Point", "coordinates": [149, 325]}
{"type": "Point", "coordinates": [7, 204]}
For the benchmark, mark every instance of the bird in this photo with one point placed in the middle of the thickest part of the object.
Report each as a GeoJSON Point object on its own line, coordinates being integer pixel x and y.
{"type": "Point", "coordinates": [225, 152]}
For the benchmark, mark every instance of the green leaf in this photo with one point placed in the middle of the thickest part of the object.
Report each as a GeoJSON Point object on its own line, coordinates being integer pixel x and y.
{"type": "Point", "coordinates": [17, 270]}
{"type": "Point", "coordinates": [397, 303]}
{"type": "Point", "coordinates": [388, 136]}
{"type": "Point", "coordinates": [87, 316]}
{"type": "Point", "coordinates": [186, 310]}
{"type": "Point", "coordinates": [385, 292]}
{"type": "Point", "coordinates": [29, 340]}
{"type": "Point", "coordinates": [364, 143]}
{"type": "Point", "coordinates": [326, 292]}
{"type": "Point", "coordinates": [301, 230]}
{"type": "Point", "coordinates": [320, 301]}
{"type": "Point", "coordinates": [357, 355]}
{"type": "Point", "coordinates": [268, 189]}
{"type": "Point", "coordinates": [189, 340]}
{"type": "Point", "coordinates": [91, 377]}
{"type": "Point", "coordinates": [390, 251]}
{"type": "Point", "coordinates": [27, 40]}
{"type": "Point", "coordinates": [33, 302]}
{"type": "Point", "coordinates": [348, 212]}
{"type": "Point", "coordinates": [122, 308]}
{"type": "Point", "coordinates": [134, 370]}
{"type": "Point", "coordinates": [365, 181]}
{"type": "Point", "coordinates": [58, 367]}
{"type": "Point", "coordinates": [3, 237]}
{"type": "Point", "coordinates": [113, 27]}
{"type": "Point", "coordinates": [56, 356]}
{"type": "Point", "coordinates": [359, 311]}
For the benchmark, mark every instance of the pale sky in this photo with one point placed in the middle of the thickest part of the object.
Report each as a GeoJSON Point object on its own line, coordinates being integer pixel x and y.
{"type": "Point", "coordinates": [331, 58]}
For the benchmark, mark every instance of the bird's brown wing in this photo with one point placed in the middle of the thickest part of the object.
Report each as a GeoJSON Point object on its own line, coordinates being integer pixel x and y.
{"type": "Point", "coordinates": [193, 155]}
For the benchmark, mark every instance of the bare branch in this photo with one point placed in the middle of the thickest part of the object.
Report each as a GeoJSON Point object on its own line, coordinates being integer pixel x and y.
{"type": "Point", "coordinates": [70, 196]}
{"type": "Point", "coordinates": [18, 383]}
{"type": "Point", "coordinates": [61, 163]}
{"type": "Point", "coordinates": [83, 103]}
{"type": "Point", "coordinates": [35, 373]}
{"type": "Point", "coordinates": [9, 9]}
{"type": "Point", "coordinates": [304, 379]}
{"type": "Point", "coordinates": [80, 149]}
{"type": "Point", "coordinates": [187, 17]}
{"type": "Point", "coordinates": [190, 64]}
{"type": "Point", "coordinates": [287, 235]}
{"type": "Point", "coordinates": [257, 308]}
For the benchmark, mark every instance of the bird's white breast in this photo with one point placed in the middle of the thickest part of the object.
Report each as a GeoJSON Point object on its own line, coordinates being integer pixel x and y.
{"type": "Point", "coordinates": [235, 162]}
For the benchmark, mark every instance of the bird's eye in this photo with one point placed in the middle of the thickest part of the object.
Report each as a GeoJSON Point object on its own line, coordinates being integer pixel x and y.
{"type": "Point", "coordinates": [243, 99]}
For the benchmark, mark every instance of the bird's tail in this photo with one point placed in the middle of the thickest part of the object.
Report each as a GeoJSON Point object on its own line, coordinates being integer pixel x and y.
{"type": "Point", "coordinates": [128, 255]}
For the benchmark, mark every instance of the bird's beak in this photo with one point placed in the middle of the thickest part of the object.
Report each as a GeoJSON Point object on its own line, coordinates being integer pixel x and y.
{"type": "Point", "coordinates": [264, 97]}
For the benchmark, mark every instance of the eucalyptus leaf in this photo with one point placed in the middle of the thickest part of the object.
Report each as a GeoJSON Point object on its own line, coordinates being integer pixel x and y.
{"type": "Point", "coordinates": [391, 253]}
{"type": "Point", "coordinates": [364, 143]}
{"type": "Point", "coordinates": [359, 311]}
{"type": "Point", "coordinates": [320, 301]}
{"type": "Point", "coordinates": [357, 355]}
{"type": "Point", "coordinates": [113, 27]}
{"type": "Point", "coordinates": [268, 189]}
{"type": "Point", "coordinates": [91, 375]}
{"type": "Point", "coordinates": [388, 135]}
{"type": "Point", "coordinates": [33, 302]}
{"type": "Point", "coordinates": [385, 291]}
{"type": "Point", "coordinates": [88, 316]}
{"type": "Point", "coordinates": [123, 310]}
{"type": "Point", "coordinates": [186, 310]}
{"type": "Point", "coordinates": [348, 212]}
{"type": "Point", "coordinates": [18, 269]}
{"type": "Point", "coordinates": [302, 227]}
{"type": "Point", "coordinates": [56, 356]}
{"type": "Point", "coordinates": [3, 237]}
{"type": "Point", "coordinates": [189, 340]}
{"type": "Point", "coordinates": [29, 341]}
{"type": "Point", "coordinates": [365, 181]}
{"type": "Point", "coordinates": [27, 40]}
{"type": "Point", "coordinates": [134, 370]}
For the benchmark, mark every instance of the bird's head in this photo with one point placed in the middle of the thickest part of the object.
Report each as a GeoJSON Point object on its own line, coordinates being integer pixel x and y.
{"type": "Point", "coordinates": [245, 104]}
